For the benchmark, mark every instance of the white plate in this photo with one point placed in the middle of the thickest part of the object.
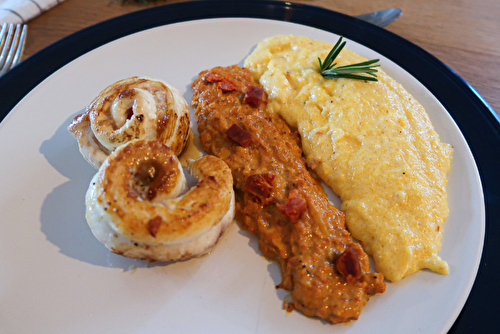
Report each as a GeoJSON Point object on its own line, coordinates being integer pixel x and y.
{"type": "Point", "coordinates": [56, 277]}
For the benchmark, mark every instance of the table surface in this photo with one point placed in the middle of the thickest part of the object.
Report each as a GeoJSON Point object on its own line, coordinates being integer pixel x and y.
{"type": "Point", "coordinates": [462, 34]}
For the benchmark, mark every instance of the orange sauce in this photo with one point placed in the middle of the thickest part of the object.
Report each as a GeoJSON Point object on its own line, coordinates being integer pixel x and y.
{"type": "Point", "coordinates": [308, 248]}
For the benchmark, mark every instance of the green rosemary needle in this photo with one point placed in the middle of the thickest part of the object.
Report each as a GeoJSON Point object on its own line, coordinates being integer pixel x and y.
{"type": "Point", "coordinates": [328, 71]}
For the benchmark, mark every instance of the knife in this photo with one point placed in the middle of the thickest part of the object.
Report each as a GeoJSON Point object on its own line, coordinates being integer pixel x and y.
{"type": "Point", "coordinates": [382, 17]}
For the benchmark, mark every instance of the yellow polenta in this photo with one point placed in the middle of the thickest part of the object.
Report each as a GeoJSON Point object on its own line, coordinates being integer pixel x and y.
{"type": "Point", "coordinates": [372, 143]}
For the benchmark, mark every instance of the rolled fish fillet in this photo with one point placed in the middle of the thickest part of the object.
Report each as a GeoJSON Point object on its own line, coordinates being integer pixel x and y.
{"type": "Point", "coordinates": [132, 108]}
{"type": "Point", "coordinates": [136, 205]}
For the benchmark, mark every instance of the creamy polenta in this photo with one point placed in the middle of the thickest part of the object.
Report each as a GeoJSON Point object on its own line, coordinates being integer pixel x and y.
{"type": "Point", "coordinates": [372, 143]}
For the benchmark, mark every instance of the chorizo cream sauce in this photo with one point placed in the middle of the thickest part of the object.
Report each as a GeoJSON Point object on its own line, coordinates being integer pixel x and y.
{"type": "Point", "coordinates": [327, 274]}
{"type": "Point", "coordinates": [372, 143]}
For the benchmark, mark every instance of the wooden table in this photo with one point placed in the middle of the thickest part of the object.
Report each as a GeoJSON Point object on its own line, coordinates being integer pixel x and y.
{"type": "Point", "coordinates": [462, 34]}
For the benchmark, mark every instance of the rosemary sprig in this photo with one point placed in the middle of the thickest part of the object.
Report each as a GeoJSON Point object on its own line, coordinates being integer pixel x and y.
{"type": "Point", "coordinates": [328, 71]}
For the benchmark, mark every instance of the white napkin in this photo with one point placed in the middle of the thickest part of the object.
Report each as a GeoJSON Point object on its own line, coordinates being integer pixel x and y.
{"type": "Point", "coordinates": [21, 11]}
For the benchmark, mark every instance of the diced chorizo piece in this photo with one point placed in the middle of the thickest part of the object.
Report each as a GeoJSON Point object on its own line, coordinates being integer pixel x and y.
{"type": "Point", "coordinates": [268, 177]}
{"type": "Point", "coordinates": [236, 133]}
{"type": "Point", "coordinates": [348, 264]}
{"type": "Point", "coordinates": [154, 225]}
{"type": "Point", "coordinates": [294, 206]}
{"type": "Point", "coordinates": [212, 77]}
{"type": "Point", "coordinates": [226, 84]}
{"type": "Point", "coordinates": [253, 96]}
{"type": "Point", "coordinates": [260, 185]}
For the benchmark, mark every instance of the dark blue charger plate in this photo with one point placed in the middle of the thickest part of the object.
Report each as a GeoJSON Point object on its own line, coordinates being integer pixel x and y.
{"type": "Point", "coordinates": [476, 119]}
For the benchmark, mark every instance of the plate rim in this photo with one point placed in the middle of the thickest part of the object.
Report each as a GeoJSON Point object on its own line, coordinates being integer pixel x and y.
{"type": "Point", "coordinates": [15, 85]}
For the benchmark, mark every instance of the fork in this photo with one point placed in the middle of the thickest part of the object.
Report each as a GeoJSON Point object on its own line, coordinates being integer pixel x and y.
{"type": "Point", "coordinates": [12, 40]}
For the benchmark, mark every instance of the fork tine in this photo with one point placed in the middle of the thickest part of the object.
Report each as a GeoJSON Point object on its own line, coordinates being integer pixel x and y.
{"type": "Point", "coordinates": [6, 44]}
{"type": "Point", "coordinates": [20, 47]}
{"type": "Point", "coordinates": [14, 45]}
{"type": "Point", "coordinates": [3, 35]}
